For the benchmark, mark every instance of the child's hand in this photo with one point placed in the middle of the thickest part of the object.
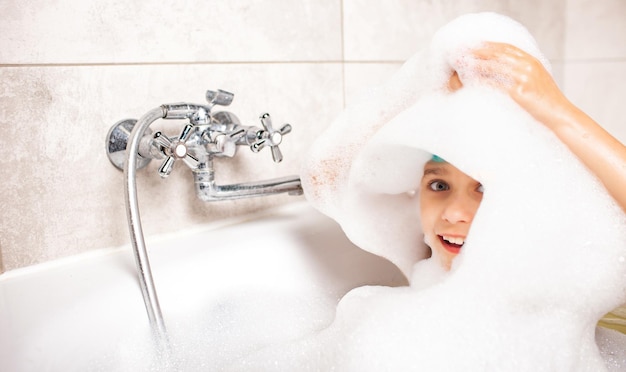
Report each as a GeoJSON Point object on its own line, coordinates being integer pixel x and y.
{"type": "Point", "coordinates": [518, 74]}
{"type": "Point", "coordinates": [527, 82]}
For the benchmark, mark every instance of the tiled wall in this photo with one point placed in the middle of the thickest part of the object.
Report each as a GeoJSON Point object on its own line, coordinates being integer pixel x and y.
{"type": "Point", "coordinates": [69, 69]}
{"type": "Point", "coordinates": [595, 61]}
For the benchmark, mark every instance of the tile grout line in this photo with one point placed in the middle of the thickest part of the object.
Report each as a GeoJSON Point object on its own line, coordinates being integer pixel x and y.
{"type": "Point", "coordinates": [343, 52]}
{"type": "Point", "coordinates": [105, 64]}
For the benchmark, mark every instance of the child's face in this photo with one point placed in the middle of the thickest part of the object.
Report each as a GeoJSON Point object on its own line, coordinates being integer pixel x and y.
{"type": "Point", "coordinates": [448, 199]}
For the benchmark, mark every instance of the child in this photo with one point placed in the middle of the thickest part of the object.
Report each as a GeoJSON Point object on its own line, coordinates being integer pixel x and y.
{"type": "Point", "coordinates": [542, 245]}
{"type": "Point", "coordinates": [448, 202]}
{"type": "Point", "coordinates": [449, 198]}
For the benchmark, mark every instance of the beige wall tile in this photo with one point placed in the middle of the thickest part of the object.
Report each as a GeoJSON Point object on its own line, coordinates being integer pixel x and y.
{"type": "Point", "coordinates": [558, 73]}
{"type": "Point", "coordinates": [394, 30]}
{"type": "Point", "coordinates": [595, 59]}
{"type": "Point", "coordinates": [596, 29]}
{"type": "Point", "coordinates": [388, 31]}
{"type": "Point", "coordinates": [61, 195]}
{"type": "Point", "coordinates": [103, 31]}
{"type": "Point", "coordinates": [362, 77]}
{"type": "Point", "coordinates": [592, 86]}
{"type": "Point", "coordinates": [545, 20]}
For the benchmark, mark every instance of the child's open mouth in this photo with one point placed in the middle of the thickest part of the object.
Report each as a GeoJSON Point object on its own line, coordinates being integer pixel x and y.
{"type": "Point", "coordinates": [452, 244]}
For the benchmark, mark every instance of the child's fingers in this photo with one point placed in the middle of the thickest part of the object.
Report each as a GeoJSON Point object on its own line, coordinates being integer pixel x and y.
{"type": "Point", "coordinates": [487, 71]}
{"type": "Point", "coordinates": [454, 83]}
{"type": "Point", "coordinates": [496, 49]}
{"type": "Point", "coordinates": [501, 63]}
{"type": "Point", "coordinates": [510, 57]}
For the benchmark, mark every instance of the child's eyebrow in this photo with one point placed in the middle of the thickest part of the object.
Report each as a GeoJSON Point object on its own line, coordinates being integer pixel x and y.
{"type": "Point", "coordinates": [433, 170]}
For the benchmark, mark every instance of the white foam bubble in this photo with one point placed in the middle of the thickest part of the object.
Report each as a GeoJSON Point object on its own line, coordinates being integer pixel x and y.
{"type": "Point", "coordinates": [209, 338]}
{"type": "Point", "coordinates": [544, 257]}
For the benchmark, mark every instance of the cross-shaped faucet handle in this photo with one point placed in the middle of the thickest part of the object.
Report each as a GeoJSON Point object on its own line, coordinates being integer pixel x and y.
{"type": "Point", "coordinates": [271, 137]}
{"type": "Point", "coordinates": [175, 150]}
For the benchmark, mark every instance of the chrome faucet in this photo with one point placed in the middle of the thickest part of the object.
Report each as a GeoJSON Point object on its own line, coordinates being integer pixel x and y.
{"type": "Point", "coordinates": [206, 136]}
{"type": "Point", "coordinates": [131, 145]}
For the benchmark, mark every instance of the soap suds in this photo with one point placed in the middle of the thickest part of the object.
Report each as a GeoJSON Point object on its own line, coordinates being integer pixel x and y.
{"type": "Point", "coordinates": [542, 261]}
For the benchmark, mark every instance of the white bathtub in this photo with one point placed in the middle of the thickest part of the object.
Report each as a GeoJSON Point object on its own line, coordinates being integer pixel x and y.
{"type": "Point", "coordinates": [224, 291]}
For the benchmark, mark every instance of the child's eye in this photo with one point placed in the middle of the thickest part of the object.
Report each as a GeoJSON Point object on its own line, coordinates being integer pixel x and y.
{"type": "Point", "coordinates": [438, 186]}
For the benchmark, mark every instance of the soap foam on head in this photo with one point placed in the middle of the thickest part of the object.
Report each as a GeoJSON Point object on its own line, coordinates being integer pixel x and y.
{"type": "Point", "coordinates": [450, 46]}
{"type": "Point", "coordinates": [329, 178]}
{"type": "Point", "coordinates": [544, 257]}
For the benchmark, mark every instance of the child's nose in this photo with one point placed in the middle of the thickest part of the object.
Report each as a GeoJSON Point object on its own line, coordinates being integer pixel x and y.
{"type": "Point", "coordinates": [460, 208]}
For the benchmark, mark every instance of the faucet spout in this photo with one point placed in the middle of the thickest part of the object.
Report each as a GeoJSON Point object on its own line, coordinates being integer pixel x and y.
{"type": "Point", "coordinates": [208, 190]}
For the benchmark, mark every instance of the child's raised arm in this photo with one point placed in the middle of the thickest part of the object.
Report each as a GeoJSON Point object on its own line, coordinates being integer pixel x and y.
{"type": "Point", "coordinates": [526, 80]}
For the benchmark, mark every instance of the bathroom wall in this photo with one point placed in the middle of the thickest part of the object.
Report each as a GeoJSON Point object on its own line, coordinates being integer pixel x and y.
{"type": "Point", "coordinates": [594, 67]}
{"type": "Point", "coordinates": [70, 69]}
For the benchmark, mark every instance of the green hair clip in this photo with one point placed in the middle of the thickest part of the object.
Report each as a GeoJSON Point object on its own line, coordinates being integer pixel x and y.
{"type": "Point", "coordinates": [437, 159]}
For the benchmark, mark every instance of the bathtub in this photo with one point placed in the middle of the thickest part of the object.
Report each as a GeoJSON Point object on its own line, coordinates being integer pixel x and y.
{"type": "Point", "coordinates": [225, 290]}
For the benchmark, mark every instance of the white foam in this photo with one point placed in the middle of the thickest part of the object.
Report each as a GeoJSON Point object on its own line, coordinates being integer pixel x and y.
{"type": "Point", "coordinates": [541, 263]}
{"type": "Point", "coordinates": [228, 330]}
